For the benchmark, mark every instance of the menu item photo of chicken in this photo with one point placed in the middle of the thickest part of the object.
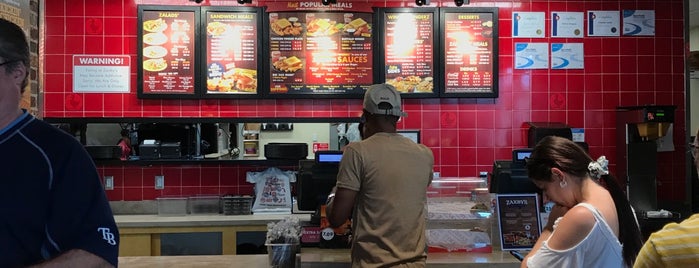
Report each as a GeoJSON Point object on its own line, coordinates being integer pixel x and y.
{"type": "Point", "coordinates": [286, 27]}
{"type": "Point", "coordinates": [358, 27]}
{"type": "Point", "coordinates": [290, 64]}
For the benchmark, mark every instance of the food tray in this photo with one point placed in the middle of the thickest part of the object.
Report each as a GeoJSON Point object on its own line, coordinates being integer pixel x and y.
{"type": "Point", "coordinates": [237, 205]}
{"type": "Point", "coordinates": [204, 204]}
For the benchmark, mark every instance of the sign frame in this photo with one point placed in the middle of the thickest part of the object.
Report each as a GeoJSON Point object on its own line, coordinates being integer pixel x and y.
{"type": "Point", "coordinates": [494, 52]}
{"type": "Point", "coordinates": [503, 198]}
{"type": "Point", "coordinates": [202, 85]}
{"type": "Point", "coordinates": [267, 58]}
{"type": "Point", "coordinates": [196, 41]}
{"type": "Point", "coordinates": [380, 66]}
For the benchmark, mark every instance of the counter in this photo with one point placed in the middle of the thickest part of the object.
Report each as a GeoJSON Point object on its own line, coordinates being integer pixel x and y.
{"type": "Point", "coordinates": [140, 234]}
{"type": "Point", "coordinates": [314, 257]}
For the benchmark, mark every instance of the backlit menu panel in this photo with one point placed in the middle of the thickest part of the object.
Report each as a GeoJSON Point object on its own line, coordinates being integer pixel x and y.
{"type": "Point", "coordinates": [316, 53]}
{"type": "Point", "coordinates": [409, 51]}
{"type": "Point", "coordinates": [469, 45]}
{"type": "Point", "coordinates": [231, 52]}
{"type": "Point", "coordinates": [167, 52]}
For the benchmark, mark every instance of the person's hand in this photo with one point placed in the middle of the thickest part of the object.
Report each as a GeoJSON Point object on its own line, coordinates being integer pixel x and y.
{"type": "Point", "coordinates": [556, 212]}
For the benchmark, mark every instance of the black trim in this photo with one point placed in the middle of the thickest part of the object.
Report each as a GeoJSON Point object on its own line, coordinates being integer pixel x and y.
{"type": "Point", "coordinates": [203, 92]}
{"type": "Point", "coordinates": [380, 53]}
{"type": "Point", "coordinates": [197, 47]}
{"type": "Point", "coordinates": [494, 53]}
{"type": "Point", "coordinates": [81, 120]}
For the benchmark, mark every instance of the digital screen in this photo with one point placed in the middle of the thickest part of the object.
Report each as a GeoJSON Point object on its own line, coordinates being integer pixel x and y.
{"type": "Point", "coordinates": [231, 45]}
{"type": "Point", "coordinates": [329, 158]}
{"type": "Point", "coordinates": [168, 51]}
{"type": "Point", "coordinates": [522, 155]}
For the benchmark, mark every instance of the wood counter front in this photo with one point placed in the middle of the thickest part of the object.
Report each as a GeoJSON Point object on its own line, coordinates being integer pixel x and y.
{"type": "Point", "coordinates": [314, 257]}
{"type": "Point", "coordinates": [140, 234]}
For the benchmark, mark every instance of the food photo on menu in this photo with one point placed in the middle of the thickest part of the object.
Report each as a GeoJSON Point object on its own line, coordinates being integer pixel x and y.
{"type": "Point", "coordinates": [153, 50]}
{"type": "Point", "coordinates": [231, 66]}
{"type": "Point", "coordinates": [167, 51]}
{"type": "Point", "coordinates": [320, 52]}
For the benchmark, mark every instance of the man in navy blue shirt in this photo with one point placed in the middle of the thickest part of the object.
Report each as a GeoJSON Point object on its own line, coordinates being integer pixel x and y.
{"type": "Point", "coordinates": [53, 211]}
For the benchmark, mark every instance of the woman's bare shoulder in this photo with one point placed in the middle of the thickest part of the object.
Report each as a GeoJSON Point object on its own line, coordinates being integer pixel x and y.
{"type": "Point", "coordinates": [572, 228]}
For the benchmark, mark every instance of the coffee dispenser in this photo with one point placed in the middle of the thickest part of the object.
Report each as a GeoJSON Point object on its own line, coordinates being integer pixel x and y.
{"type": "Point", "coordinates": [638, 128]}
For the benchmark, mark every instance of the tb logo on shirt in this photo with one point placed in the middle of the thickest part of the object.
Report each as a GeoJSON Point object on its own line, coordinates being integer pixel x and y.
{"type": "Point", "coordinates": [107, 235]}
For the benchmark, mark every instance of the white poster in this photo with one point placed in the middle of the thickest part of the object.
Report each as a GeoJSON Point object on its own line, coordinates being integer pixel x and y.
{"type": "Point", "coordinates": [567, 24]}
{"type": "Point", "coordinates": [567, 56]}
{"type": "Point", "coordinates": [101, 73]}
{"type": "Point", "coordinates": [528, 24]}
{"type": "Point", "coordinates": [603, 23]}
{"type": "Point", "coordinates": [639, 22]}
{"type": "Point", "coordinates": [531, 56]}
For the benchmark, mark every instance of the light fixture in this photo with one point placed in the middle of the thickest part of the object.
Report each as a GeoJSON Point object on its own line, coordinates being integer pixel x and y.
{"type": "Point", "coordinates": [459, 3]}
{"type": "Point", "coordinates": [244, 2]}
{"type": "Point", "coordinates": [328, 2]}
{"type": "Point", "coordinates": [422, 2]}
{"type": "Point", "coordinates": [196, 1]}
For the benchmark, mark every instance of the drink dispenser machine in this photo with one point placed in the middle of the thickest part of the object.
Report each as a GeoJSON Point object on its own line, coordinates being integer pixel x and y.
{"type": "Point", "coordinates": [638, 129]}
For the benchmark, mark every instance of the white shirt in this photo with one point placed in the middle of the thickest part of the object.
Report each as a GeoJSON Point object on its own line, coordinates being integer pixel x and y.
{"type": "Point", "coordinates": [600, 248]}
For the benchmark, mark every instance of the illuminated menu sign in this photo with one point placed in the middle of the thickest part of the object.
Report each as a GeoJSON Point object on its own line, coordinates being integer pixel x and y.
{"type": "Point", "coordinates": [469, 45]}
{"type": "Point", "coordinates": [231, 46]}
{"type": "Point", "coordinates": [320, 52]}
{"type": "Point", "coordinates": [167, 52]}
{"type": "Point", "coordinates": [409, 51]}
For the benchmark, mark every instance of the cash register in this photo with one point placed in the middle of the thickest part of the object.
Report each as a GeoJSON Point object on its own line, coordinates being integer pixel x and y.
{"type": "Point", "coordinates": [510, 176]}
{"type": "Point", "coordinates": [316, 179]}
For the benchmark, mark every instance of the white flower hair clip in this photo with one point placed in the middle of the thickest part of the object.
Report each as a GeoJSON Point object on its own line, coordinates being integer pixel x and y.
{"type": "Point", "coordinates": [599, 168]}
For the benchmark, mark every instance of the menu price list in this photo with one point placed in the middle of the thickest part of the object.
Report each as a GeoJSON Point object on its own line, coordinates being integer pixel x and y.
{"type": "Point", "coordinates": [168, 52]}
{"type": "Point", "coordinates": [409, 51]}
{"type": "Point", "coordinates": [231, 43]}
{"type": "Point", "coordinates": [320, 52]}
{"type": "Point", "coordinates": [469, 52]}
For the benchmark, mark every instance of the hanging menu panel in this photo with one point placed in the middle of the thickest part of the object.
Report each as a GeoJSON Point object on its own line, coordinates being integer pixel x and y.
{"type": "Point", "coordinates": [319, 54]}
{"type": "Point", "coordinates": [231, 52]}
{"type": "Point", "coordinates": [468, 52]}
{"type": "Point", "coordinates": [167, 51]}
{"type": "Point", "coordinates": [410, 50]}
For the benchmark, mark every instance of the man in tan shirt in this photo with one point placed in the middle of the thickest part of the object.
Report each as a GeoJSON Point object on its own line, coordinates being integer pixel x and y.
{"type": "Point", "coordinates": [382, 184]}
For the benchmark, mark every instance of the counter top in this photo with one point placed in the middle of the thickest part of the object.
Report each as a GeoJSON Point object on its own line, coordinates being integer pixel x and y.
{"type": "Point", "coordinates": [314, 257]}
{"type": "Point", "coordinates": [135, 221]}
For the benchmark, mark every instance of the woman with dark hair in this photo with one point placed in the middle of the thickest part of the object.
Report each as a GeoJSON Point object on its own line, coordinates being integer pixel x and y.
{"type": "Point", "coordinates": [592, 223]}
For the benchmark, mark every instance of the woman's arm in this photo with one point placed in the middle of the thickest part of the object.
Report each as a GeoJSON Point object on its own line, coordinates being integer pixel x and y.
{"type": "Point", "coordinates": [556, 212]}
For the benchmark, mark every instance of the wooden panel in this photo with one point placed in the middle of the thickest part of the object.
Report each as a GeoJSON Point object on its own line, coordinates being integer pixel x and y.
{"type": "Point", "coordinates": [135, 245]}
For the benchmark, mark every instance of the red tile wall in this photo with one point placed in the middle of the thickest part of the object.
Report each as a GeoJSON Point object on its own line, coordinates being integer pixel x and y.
{"type": "Point", "coordinates": [469, 133]}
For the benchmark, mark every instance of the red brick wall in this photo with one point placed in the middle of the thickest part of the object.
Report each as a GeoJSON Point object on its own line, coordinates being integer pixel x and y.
{"type": "Point", "coordinates": [466, 135]}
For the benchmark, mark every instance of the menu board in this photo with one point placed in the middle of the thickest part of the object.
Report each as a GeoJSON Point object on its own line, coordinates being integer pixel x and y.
{"type": "Point", "coordinates": [518, 218]}
{"type": "Point", "coordinates": [231, 51]}
{"type": "Point", "coordinates": [167, 51]}
{"type": "Point", "coordinates": [320, 53]}
{"type": "Point", "coordinates": [409, 49]}
{"type": "Point", "coordinates": [468, 52]}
